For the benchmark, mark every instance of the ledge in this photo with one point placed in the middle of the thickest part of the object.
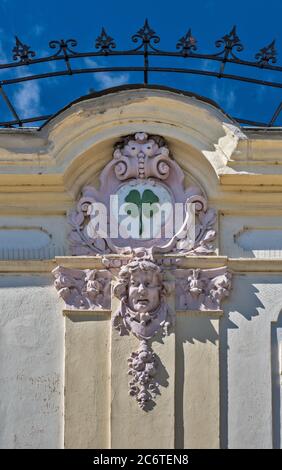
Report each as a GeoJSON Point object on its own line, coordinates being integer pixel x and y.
{"type": "Point", "coordinates": [183, 313]}
{"type": "Point", "coordinates": [245, 265]}
{"type": "Point", "coordinates": [95, 262]}
{"type": "Point", "coordinates": [204, 262]}
{"type": "Point", "coordinates": [27, 266]}
{"type": "Point", "coordinates": [200, 313]}
{"type": "Point", "coordinates": [251, 265]}
{"type": "Point", "coordinates": [88, 313]}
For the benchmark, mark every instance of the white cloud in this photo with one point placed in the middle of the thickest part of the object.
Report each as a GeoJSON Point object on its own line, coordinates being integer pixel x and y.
{"type": "Point", "coordinates": [209, 65]}
{"type": "Point", "coordinates": [230, 99]}
{"type": "Point", "coordinates": [261, 90]}
{"type": "Point", "coordinates": [26, 99]}
{"type": "Point", "coordinates": [52, 65]}
{"type": "Point", "coordinates": [105, 79]}
{"type": "Point", "coordinates": [90, 62]}
{"type": "Point", "coordinates": [3, 55]}
{"type": "Point", "coordinates": [38, 29]}
{"type": "Point", "coordinates": [260, 93]}
{"type": "Point", "coordinates": [226, 99]}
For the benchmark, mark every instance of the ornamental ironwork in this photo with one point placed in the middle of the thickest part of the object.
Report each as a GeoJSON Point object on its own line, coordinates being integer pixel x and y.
{"type": "Point", "coordinates": [146, 42]}
{"type": "Point", "coordinates": [21, 52]}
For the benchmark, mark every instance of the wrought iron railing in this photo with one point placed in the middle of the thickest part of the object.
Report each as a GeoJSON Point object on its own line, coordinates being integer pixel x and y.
{"type": "Point", "coordinates": [146, 40]}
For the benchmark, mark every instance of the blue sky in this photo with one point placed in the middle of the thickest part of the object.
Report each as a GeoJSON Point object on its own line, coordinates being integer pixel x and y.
{"type": "Point", "coordinates": [38, 22]}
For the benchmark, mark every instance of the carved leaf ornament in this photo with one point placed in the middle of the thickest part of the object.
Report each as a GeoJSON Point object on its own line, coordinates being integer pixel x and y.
{"type": "Point", "coordinates": [144, 175]}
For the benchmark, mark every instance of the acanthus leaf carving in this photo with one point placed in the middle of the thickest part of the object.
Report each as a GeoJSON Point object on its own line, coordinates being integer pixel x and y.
{"type": "Point", "coordinates": [141, 171]}
{"type": "Point", "coordinates": [83, 289]}
{"type": "Point", "coordinates": [202, 289]}
{"type": "Point", "coordinates": [137, 159]}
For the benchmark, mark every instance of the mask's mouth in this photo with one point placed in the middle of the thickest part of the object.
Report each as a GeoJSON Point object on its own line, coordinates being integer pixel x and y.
{"type": "Point", "coordinates": [143, 301]}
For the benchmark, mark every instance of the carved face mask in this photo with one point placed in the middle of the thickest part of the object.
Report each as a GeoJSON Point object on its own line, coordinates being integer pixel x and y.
{"type": "Point", "coordinates": [144, 291]}
{"type": "Point", "coordinates": [135, 149]}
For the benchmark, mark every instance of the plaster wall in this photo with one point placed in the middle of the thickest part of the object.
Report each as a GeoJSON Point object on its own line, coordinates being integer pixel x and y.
{"type": "Point", "coordinates": [31, 363]}
{"type": "Point", "coordinates": [32, 352]}
{"type": "Point", "coordinates": [249, 405]}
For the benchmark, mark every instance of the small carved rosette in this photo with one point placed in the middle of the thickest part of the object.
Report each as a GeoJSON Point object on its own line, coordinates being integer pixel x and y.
{"type": "Point", "coordinates": [143, 311]}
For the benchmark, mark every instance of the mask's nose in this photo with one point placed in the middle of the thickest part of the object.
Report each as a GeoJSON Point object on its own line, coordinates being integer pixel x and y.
{"type": "Point", "coordinates": [141, 154]}
{"type": "Point", "coordinates": [141, 289]}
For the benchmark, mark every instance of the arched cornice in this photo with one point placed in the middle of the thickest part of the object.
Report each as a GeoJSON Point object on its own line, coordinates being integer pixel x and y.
{"type": "Point", "coordinates": [75, 144]}
{"type": "Point", "coordinates": [199, 134]}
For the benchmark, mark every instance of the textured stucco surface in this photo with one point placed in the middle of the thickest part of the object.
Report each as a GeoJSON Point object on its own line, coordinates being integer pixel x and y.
{"type": "Point", "coordinates": [87, 381]}
{"type": "Point", "coordinates": [246, 363]}
{"type": "Point", "coordinates": [31, 363]}
{"type": "Point", "coordinates": [197, 381]}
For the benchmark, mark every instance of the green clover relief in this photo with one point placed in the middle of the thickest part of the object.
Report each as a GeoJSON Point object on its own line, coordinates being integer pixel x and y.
{"type": "Point", "coordinates": [148, 197]}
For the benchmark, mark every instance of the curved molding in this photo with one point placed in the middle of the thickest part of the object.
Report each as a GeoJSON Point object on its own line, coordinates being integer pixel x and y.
{"type": "Point", "coordinates": [135, 87]}
{"type": "Point", "coordinates": [77, 142]}
{"type": "Point", "coordinates": [197, 124]}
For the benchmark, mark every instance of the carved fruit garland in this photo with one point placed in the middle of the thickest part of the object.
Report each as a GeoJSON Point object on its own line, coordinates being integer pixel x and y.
{"type": "Point", "coordinates": [143, 369]}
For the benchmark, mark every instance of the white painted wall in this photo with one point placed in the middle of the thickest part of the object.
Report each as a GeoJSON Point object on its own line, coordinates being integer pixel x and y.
{"type": "Point", "coordinates": [246, 372]}
{"type": "Point", "coordinates": [31, 363]}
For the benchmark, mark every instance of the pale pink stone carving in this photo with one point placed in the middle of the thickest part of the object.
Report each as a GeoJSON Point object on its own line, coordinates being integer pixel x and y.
{"type": "Point", "coordinates": [83, 289]}
{"type": "Point", "coordinates": [142, 292]}
{"type": "Point", "coordinates": [202, 289]}
{"type": "Point", "coordinates": [143, 311]}
{"type": "Point", "coordinates": [143, 369]}
{"type": "Point", "coordinates": [136, 158]}
{"type": "Point", "coordinates": [142, 156]}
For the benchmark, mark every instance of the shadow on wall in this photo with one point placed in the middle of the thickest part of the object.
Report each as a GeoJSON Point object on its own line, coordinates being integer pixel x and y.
{"type": "Point", "coordinates": [236, 303]}
{"type": "Point", "coordinates": [191, 329]}
{"type": "Point", "coordinates": [245, 302]}
{"type": "Point", "coordinates": [201, 329]}
{"type": "Point", "coordinates": [276, 368]}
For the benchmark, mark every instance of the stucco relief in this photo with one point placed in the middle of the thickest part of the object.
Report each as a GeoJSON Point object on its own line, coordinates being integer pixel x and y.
{"type": "Point", "coordinates": [142, 156]}
{"type": "Point", "coordinates": [143, 311]}
{"type": "Point", "coordinates": [83, 289]}
{"type": "Point", "coordinates": [142, 170]}
{"type": "Point", "coordinates": [202, 289]}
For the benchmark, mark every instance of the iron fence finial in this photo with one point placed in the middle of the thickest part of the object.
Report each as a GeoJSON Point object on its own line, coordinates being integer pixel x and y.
{"type": "Point", "coordinates": [22, 51]}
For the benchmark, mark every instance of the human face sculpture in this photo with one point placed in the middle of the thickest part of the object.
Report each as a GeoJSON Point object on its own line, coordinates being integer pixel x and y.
{"type": "Point", "coordinates": [144, 291]}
